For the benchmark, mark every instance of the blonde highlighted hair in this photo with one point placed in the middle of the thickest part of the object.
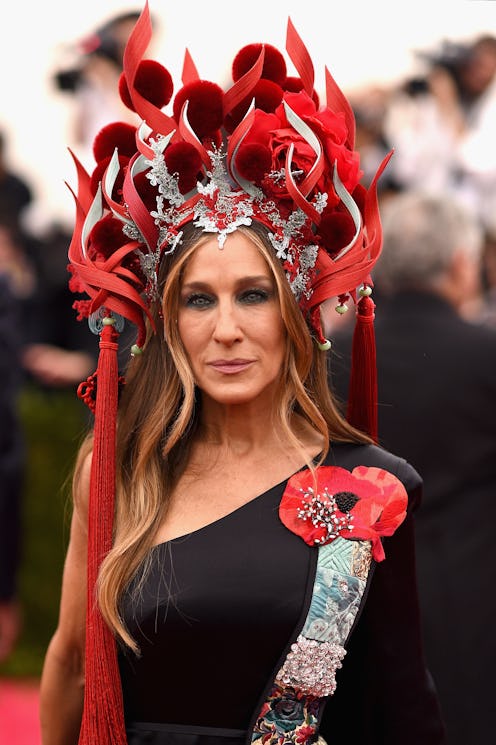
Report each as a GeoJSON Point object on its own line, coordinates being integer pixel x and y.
{"type": "Point", "coordinates": [159, 413]}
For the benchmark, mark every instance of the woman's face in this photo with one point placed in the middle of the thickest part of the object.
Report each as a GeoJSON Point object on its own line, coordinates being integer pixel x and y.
{"type": "Point", "coordinates": [230, 321]}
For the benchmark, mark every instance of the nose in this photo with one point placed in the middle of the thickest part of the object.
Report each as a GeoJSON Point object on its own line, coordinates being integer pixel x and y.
{"type": "Point", "coordinates": [227, 329]}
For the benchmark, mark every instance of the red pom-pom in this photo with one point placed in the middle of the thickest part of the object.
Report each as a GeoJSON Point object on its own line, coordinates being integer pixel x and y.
{"type": "Point", "coordinates": [274, 67]}
{"type": "Point", "coordinates": [152, 81]}
{"type": "Point", "coordinates": [205, 106]}
{"type": "Point", "coordinates": [148, 193]}
{"type": "Point", "coordinates": [336, 229]}
{"type": "Point", "coordinates": [124, 92]}
{"type": "Point", "coordinates": [98, 173]}
{"type": "Point", "coordinates": [118, 135]}
{"type": "Point", "coordinates": [185, 160]}
{"type": "Point", "coordinates": [267, 95]}
{"type": "Point", "coordinates": [253, 161]}
{"type": "Point", "coordinates": [293, 84]}
{"type": "Point", "coordinates": [105, 238]}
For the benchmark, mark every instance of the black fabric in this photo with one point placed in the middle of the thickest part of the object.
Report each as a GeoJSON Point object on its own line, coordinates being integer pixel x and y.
{"type": "Point", "coordinates": [160, 734]}
{"type": "Point", "coordinates": [231, 596]}
{"type": "Point", "coordinates": [437, 407]}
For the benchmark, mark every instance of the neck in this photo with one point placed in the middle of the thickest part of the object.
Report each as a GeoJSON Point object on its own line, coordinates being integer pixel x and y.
{"type": "Point", "coordinates": [239, 428]}
{"type": "Point", "coordinates": [243, 429]}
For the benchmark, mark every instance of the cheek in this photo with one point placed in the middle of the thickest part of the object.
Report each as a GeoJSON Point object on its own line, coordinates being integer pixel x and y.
{"type": "Point", "coordinates": [274, 334]}
{"type": "Point", "coordinates": [185, 330]}
{"type": "Point", "coordinates": [193, 330]}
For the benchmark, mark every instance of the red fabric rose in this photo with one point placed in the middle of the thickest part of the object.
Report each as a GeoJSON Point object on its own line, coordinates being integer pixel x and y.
{"type": "Point", "coordinates": [366, 504]}
{"type": "Point", "coordinates": [275, 132]}
{"type": "Point", "coordinates": [332, 132]}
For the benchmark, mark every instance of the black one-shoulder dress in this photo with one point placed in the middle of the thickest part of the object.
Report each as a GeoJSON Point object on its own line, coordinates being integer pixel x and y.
{"type": "Point", "coordinates": [220, 607]}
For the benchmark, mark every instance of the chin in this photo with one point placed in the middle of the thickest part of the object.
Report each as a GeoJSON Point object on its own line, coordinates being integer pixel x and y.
{"type": "Point", "coordinates": [235, 400]}
{"type": "Point", "coordinates": [242, 397]}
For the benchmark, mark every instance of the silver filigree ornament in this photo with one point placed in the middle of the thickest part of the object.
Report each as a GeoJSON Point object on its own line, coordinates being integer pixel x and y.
{"type": "Point", "coordinates": [324, 513]}
{"type": "Point", "coordinates": [300, 282]}
{"type": "Point", "coordinates": [167, 185]}
{"type": "Point", "coordinates": [149, 266]}
{"type": "Point", "coordinates": [310, 667]}
{"type": "Point", "coordinates": [221, 209]}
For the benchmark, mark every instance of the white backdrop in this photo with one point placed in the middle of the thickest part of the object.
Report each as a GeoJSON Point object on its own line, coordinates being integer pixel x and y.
{"type": "Point", "coordinates": [360, 42]}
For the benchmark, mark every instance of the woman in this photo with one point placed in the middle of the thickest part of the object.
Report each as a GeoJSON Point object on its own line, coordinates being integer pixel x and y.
{"type": "Point", "coordinates": [236, 587]}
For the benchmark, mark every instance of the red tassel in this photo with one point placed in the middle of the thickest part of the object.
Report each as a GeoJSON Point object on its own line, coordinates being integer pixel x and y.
{"type": "Point", "coordinates": [103, 715]}
{"type": "Point", "coordinates": [362, 395]}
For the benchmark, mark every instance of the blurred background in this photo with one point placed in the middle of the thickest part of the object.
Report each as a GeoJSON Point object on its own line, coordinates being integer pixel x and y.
{"type": "Point", "coordinates": [361, 43]}
{"type": "Point", "coordinates": [406, 74]}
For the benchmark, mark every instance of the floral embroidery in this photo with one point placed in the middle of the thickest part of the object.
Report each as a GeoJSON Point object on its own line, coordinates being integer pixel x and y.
{"type": "Point", "coordinates": [366, 504]}
{"type": "Point", "coordinates": [362, 556]}
{"type": "Point", "coordinates": [287, 717]}
{"type": "Point", "coordinates": [337, 593]}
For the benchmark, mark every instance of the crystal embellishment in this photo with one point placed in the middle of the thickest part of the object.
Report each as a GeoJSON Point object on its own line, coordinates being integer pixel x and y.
{"type": "Point", "coordinates": [310, 667]}
{"type": "Point", "coordinates": [324, 511]}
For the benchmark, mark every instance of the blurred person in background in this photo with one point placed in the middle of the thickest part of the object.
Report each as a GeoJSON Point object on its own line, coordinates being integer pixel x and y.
{"type": "Point", "coordinates": [487, 308]}
{"type": "Point", "coordinates": [12, 465]}
{"type": "Point", "coordinates": [477, 153]}
{"type": "Point", "coordinates": [53, 350]}
{"type": "Point", "coordinates": [60, 354]}
{"type": "Point", "coordinates": [370, 106]}
{"type": "Point", "coordinates": [17, 289]}
{"type": "Point", "coordinates": [17, 258]}
{"type": "Point", "coordinates": [437, 404]}
{"type": "Point", "coordinates": [57, 353]}
{"type": "Point", "coordinates": [92, 81]}
{"type": "Point", "coordinates": [423, 123]}
{"type": "Point", "coordinates": [16, 194]}
{"type": "Point", "coordinates": [435, 122]}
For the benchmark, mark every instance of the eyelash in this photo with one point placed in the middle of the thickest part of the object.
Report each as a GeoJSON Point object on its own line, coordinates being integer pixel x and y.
{"type": "Point", "coordinates": [251, 297]}
{"type": "Point", "coordinates": [260, 295]}
{"type": "Point", "coordinates": [194, 300]}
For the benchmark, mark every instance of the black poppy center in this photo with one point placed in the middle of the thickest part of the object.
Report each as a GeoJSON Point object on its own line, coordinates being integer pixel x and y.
{"type": "Point", "coordinates": [346, 500]}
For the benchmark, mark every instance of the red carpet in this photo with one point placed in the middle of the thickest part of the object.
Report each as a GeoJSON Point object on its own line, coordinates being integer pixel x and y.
{"type": "Point", "coordinates": [19, 723]}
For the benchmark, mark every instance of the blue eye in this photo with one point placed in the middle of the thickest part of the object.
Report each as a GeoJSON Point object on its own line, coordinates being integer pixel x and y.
{"type": "Point", "coordinates": [198, 300]}
{"type": "Point", "coordinates": [255, 296]}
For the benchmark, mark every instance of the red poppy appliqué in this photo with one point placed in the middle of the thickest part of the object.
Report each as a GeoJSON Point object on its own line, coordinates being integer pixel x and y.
{"type": "Point", "coordinates": [365, 504]}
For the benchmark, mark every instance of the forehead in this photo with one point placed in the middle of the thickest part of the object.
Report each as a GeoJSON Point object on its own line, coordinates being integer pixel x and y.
{"type": "Point", "coordinates": [238, 258]}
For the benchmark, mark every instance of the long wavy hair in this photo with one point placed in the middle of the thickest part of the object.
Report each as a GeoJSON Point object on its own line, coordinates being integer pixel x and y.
{"type": "Point", "coordinates": [160, 410]}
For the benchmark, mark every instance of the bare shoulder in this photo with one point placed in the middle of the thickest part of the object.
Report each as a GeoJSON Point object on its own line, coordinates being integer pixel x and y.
{"type": "Point", "coordinates": [81, 482]}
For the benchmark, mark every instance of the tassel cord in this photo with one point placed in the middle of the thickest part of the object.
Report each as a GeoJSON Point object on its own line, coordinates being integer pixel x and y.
{"type": "Point", "coordinates": [103, 715]}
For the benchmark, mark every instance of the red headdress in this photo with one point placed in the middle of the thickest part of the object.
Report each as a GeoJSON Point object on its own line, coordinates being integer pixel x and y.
{"type": "Point", "coordinates": [265, 150]}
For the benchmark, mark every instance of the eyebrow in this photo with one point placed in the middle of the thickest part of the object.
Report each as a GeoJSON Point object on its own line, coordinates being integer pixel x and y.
{"type": "Point", "coordinates": [242, 282]}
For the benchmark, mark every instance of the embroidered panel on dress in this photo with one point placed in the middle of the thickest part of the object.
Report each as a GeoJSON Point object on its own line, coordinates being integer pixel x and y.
{"type": "Point", "coordinates": [337, 591]}
{"type": "Point", "coordinates": [291, 711]}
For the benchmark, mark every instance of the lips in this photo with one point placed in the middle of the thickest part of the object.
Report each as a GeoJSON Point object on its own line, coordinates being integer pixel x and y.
{"type": "Point", "coordinates": [230, 367]}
